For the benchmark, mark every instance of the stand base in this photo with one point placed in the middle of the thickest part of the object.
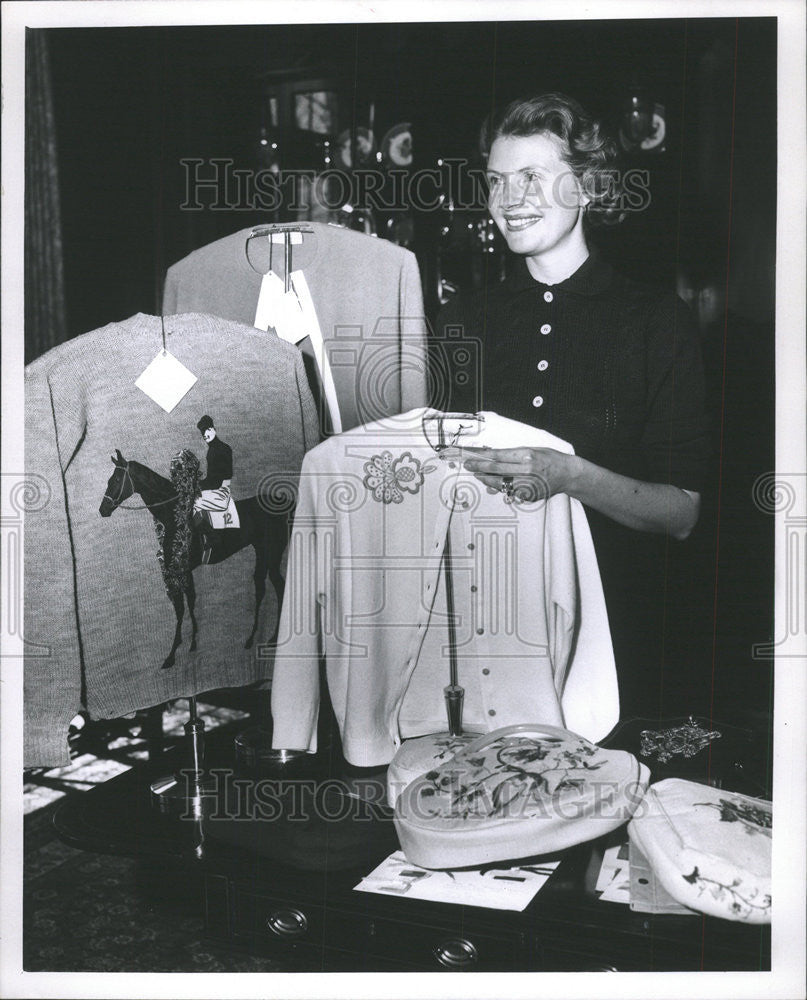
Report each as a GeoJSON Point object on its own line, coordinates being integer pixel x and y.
{"type": "Point", "coordinates": [254, 754]}
{"type": "Point", "coordinates": [182, 797]}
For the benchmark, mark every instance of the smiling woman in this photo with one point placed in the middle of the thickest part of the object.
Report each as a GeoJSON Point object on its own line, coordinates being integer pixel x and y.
{"type": "Point", "coordinates": [565, 344]}
{"type": "Point", "coordinates": [537, 202]}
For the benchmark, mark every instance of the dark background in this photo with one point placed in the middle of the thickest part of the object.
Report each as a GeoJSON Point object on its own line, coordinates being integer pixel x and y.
{"type": "Point", "coordinates": [129, 104]}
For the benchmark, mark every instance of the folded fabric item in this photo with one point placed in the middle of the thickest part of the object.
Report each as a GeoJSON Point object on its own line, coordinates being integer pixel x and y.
{"type": "Point", "coordinates": [514, 793]}
{"type": "Point", "coordinates": [710, 849]}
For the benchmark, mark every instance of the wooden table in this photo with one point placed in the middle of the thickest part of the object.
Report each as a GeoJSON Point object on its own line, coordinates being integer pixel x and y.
{"type": "Point", "coordinates": [314, 920]}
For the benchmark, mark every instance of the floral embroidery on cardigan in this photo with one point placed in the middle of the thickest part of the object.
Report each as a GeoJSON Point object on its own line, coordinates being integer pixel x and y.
{"type": "Point", "coordinates": [388, 478]}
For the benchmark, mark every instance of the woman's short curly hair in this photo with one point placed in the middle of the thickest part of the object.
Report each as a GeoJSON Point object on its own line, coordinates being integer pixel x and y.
{"type": "Point", "coordinates": [589, 152]}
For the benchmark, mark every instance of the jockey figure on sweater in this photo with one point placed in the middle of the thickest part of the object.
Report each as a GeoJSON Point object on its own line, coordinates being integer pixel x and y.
{"type": "Point", "coordinates": [215, 487]}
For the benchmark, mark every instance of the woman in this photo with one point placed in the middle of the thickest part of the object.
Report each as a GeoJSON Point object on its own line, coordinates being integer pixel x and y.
{"type": "Point", "coordinates": [609, 365]}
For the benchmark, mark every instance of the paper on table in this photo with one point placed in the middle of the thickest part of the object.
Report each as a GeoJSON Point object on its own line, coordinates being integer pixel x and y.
{"type": "Point", "coordinates": [496, 888]}
{"type": "Point", "coordinates": [615, 857]}
{"type": "Point", "coordinates": [614, 878]}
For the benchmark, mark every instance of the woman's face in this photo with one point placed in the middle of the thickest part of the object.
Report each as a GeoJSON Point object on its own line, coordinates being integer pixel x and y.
{"type": "Point", "coordinates": [534, 197]}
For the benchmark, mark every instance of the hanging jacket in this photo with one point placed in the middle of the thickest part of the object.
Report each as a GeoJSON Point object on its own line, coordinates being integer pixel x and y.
{"type": "Point", "coordinates": [366, 294]}
{"type": "Point", "coordinates": [101, 592]}
{"type": "Point", "coordinates": [365, 588]}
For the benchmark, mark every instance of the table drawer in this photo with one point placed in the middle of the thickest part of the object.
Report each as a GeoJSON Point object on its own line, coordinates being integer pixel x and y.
{"type": "Point", "coordinates": [426, 947]}
{"type": "Point", "coordinates": [276, 924]}
{"type": "Point", "coordinates": [306, 933]}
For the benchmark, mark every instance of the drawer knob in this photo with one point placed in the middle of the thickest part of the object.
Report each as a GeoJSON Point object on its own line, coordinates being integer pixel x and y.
{"type": "Point", "coordinates": [457, 953]}
{"type": "Point", "coordinates": [288, 923]}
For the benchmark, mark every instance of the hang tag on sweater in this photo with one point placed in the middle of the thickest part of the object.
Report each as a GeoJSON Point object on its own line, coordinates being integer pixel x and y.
{"type": "Point", "coordinates": [296, 238]}
{"type": "Point", "coordinates": [166, 380]}
{"type": "Point", "coordinates": [280, 310]}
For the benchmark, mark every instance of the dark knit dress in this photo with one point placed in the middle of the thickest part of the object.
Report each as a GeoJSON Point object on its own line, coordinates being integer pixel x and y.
{"type": "Point", "coordinates": [614, 368]}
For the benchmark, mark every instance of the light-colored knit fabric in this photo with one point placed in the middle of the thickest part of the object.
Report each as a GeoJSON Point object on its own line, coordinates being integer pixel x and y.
{"type": "Point", "coordinates": [363, 587]}
{"type": "Point", "coordinates": [368, 299]}
{"type": "Point", "coordinates": [52, 675]}
{"type": "Point", "coordinates": [107, 597]}
{"type": "Point", "coordinates": [711, 849]}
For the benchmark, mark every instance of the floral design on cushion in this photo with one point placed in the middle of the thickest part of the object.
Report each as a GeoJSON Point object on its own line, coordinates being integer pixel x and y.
{"type": "Point", "coordinates": [512, 776]}
{"type": "Point", "coordinates": [389, 479]}
{"type": "Point", "coordinates": [447, 747]}
{"type": "Point", "coordinates": [739, 905]}
{"type": "Point", "coordinates": [754, 818]}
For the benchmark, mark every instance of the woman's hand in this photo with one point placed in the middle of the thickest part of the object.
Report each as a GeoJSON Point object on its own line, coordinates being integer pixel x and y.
{"type": "Point", "coordinates": [539, 473]}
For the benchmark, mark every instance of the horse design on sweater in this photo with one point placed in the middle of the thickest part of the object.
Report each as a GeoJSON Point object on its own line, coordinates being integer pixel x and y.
{"type": "Point", "coordinates": [170, 503]}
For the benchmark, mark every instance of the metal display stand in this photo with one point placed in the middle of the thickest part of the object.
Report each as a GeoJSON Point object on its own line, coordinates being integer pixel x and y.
{"type": "Point", "coordinates": [188, 791]}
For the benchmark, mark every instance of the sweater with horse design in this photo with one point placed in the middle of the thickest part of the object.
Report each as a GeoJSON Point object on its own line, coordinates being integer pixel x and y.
{"type": "Point", "coordinates": [121, 620]}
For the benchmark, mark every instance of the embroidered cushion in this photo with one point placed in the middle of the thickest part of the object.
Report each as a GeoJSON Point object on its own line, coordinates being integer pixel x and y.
{"type": "Point", "coordinates": [710, 849]}
{"type": "Point", "coordinates": [514, 793]}
{"type": "Point", "coordinates": [421, 754]}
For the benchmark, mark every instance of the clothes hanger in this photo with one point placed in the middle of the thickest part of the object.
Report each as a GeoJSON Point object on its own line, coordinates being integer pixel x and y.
{"type": "Point", "coordinates": [287, 228]}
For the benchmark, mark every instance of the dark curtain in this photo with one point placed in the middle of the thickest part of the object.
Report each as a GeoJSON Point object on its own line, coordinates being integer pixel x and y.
{"type": "Point", "coordinates": [45, 315]}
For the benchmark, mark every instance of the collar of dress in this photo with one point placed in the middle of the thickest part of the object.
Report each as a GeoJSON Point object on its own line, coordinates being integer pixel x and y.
{"type": "Point", "coordinates": [592, 277]}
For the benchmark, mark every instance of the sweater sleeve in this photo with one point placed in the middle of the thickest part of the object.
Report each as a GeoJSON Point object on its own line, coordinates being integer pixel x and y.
{"type": "Point", "coordinates": [414, 364]}
{"type": "Point", "coordinates": [590, 697]}
{"type": "Point", "coordinates": [560, 586]}
{"type": "Point", "coordinates": [295, 680]}
{"type": "Point", "coordinates": [52, 675]}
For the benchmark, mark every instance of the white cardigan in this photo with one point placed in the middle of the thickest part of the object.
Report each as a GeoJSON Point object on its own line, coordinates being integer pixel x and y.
{"type": "Point", "coordinates": [364, 590]}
